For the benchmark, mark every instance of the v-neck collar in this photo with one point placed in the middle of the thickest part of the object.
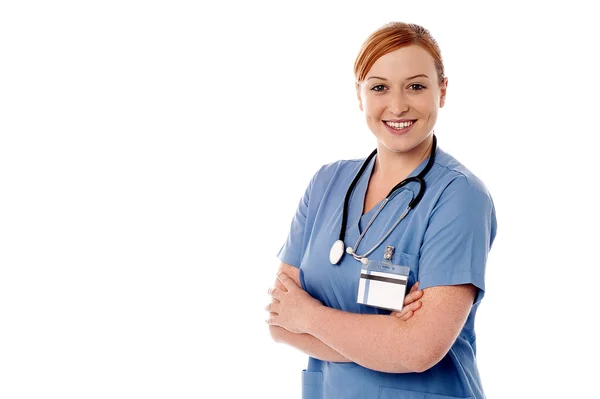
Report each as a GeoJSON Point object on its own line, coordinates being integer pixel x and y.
{"type": "Point", "coordinates": [357, 199]}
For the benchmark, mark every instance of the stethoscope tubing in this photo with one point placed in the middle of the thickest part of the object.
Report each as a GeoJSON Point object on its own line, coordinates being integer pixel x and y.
{"type": "Point", "coordinates": [420, 178]}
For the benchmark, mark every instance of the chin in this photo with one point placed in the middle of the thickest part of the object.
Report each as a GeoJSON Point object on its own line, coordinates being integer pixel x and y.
{"type": "Point", "coordinates": [400, 150]}
{"type": "Point", "coordinates": [399, 144]}
{"type": "Point", "coordinates": [404, 143]}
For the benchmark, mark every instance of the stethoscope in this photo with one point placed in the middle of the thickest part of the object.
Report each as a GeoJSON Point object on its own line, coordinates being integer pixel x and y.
{"type": "Point", "coordinates": [337, 249]}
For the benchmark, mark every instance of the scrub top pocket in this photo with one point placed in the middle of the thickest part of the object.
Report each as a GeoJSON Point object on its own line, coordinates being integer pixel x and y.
{"type": "Point", "coordinates": [411, 261]}
{"type": "Point", "coordinates": [312, 384]}
{"type": "Point", "coordinates": [391, 393]}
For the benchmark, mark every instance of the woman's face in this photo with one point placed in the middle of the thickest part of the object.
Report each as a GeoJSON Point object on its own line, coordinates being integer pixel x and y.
{"type": "Point", "coordinates": [400, 97]}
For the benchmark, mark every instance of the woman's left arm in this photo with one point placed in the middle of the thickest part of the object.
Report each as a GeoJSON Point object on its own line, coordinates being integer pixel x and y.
{"type": "Point", "coordinates": [380, 342]}
{"type": "Point", "coordinates": [452, 260]}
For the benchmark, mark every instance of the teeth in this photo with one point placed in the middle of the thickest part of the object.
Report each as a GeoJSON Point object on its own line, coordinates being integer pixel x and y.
{"type": "Point", "coordinates": [399, 125]}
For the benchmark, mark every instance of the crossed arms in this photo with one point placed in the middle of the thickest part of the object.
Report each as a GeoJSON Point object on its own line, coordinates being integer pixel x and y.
{"type": "Point", "coordinates": [410, 341]}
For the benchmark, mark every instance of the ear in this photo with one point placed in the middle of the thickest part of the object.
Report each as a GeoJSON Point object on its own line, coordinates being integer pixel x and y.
{"type": "Point", "coordinates": [358, 96]}
{"type": "Point", "coordinates": [443, 88]}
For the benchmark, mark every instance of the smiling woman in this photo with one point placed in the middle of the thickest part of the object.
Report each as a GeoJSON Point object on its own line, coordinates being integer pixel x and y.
{"type": "Point", "coordinates": [417, 216]}
{"type": "Point", "coordinates": [400, 85]}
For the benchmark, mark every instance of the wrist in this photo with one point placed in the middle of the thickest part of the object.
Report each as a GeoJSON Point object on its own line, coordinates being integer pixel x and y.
{"type": "Point", "coordinates": [314, 317]}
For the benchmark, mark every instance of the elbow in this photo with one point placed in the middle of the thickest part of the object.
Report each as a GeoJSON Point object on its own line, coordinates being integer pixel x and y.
{"type": "Point", "coordinates": [422, 366]}
{"type": "Point", "coordinates": [405, 363]}
{"type": "Point", "coordinates": [275, 332]}
{"type": "Point", "coordinates": [419, 361]}
{"type": "Point", "coordinates": [427, 359]}
{"type": "Point", "coordinates": [413, 366]}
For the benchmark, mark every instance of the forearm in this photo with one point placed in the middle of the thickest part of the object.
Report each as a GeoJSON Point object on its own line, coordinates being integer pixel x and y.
{"type": "Point", "coordinates": [303, 342]}
{"type": "Point", "coordinates": [377, 342]}
{"type": "Point", "coordinates": [307, 344]}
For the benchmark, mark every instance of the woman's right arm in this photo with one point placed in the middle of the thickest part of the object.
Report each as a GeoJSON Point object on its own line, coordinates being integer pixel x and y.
{"type": "Point", "coordinates": [313, 346]}
{"type": "Point", "coordinates": [304, 342]}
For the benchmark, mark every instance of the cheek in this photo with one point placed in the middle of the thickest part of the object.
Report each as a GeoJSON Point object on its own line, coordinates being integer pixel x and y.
{"type": "Point", "coordinates": [427, 107]}
{"type": "Point", "coordinates": [372, 117]}
{"type": "Point", "coordinates": [372, 108]}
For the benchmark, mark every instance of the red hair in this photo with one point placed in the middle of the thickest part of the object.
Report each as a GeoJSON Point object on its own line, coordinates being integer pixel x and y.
{"type": "Point", "coordinates": [391, 37]}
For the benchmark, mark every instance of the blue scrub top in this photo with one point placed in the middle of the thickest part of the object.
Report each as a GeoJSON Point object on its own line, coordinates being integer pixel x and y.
{"type": "Point", "coordinates": [445, 240]}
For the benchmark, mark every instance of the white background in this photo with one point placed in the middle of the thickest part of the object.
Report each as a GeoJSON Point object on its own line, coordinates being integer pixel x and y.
{"type": "Point", "coordinates": [152, 155]}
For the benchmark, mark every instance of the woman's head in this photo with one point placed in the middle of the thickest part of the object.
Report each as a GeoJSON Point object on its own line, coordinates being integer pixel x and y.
{"type": "Point", "coordinates": [400, 84]}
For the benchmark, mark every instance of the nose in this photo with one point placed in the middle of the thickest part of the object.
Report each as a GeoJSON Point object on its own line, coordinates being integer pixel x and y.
{"type": "Point", "coordinates": [398, 104]}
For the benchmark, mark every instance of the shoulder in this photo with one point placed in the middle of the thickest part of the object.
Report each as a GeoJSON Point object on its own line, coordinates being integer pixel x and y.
{"type": "Point", "coordinates": [456, 180]}
{"type": "Point", "coordinates": [338, 169]}
{"type": "Point", "coordinates": [343, 165]}
{"type": "Point", "coordinates": [458, 198]}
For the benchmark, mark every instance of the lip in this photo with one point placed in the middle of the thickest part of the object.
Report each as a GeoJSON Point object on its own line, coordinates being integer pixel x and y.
{"type": "Point", "coordinates": [398, 132]}
{"type": "Point", "coordinates": [399, 120]}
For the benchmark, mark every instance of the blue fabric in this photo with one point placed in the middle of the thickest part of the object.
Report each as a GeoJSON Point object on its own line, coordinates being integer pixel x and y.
{"type": "Point", "coordinates": [445, 240]}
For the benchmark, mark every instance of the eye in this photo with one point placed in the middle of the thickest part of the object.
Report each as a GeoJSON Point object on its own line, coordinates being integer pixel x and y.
{"type": "Point", "coordinates": [378, 88]}
{"type": "Point", "coordinates": [417, 87]}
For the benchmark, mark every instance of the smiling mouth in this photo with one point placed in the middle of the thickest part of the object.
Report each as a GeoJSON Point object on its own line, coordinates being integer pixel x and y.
{"type": "Point", "coordinates": [399, 125]}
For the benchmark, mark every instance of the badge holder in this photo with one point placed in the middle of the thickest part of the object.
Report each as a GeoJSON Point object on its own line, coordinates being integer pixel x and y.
{"type": "Point", "coordinates": [383, 284]}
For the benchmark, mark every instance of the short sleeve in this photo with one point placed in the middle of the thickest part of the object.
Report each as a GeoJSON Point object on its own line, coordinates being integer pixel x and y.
{"type": "Point", "coordinates": [458, 237]}
{"type": "Point", "coordinates": [293, 249]}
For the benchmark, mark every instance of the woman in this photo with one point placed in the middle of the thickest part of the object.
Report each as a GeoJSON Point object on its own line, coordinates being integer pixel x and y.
{"type": "Point", "coordinates": [439, 234]}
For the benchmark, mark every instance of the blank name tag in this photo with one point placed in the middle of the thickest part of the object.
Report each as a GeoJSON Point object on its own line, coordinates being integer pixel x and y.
{"type": "Point", "coordinates": [383, 285]}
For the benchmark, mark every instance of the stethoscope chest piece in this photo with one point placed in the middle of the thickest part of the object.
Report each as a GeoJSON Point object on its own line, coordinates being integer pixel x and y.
{"type": "Point", "coordinates": [336, 252]}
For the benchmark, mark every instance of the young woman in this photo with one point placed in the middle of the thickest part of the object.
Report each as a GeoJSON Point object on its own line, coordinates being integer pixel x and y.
{"type": "Point", "coordinates": [366, 230]}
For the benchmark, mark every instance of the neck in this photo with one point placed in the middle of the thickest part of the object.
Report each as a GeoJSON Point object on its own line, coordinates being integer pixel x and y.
{"type": "Point", "coordinates": [392, 167]}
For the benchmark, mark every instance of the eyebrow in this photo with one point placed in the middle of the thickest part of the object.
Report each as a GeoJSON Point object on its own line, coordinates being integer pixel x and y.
{"type": "Point", "coordinates": [421, 75]}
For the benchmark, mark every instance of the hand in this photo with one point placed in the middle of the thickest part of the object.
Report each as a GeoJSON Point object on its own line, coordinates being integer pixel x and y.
{"type": "Point", "coordinates": [292, 307]}
{"type": "Point", "coordinates": [411, 303]}
{"type": "Point", "coordinates": [293, 273]}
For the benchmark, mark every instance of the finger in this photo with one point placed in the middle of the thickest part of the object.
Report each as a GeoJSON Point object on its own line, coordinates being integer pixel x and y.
{"type": "Point", "coordinates": [414, 287]}
{"type": "Point", "coordinates": [400, 314]}
{"type": "Point", "coordinates": [287, 282]}
{"type": "Point", "coordinates": [276, 293]}
{"type": "Point", "coordinates": [413, 307]}
{"type": "Point", "coordinates": [412, 297]}
{"type": "Point", "coordinates": [407, 316]}
{"type": "Point", "coordinates": [279, 285]}
{"type": "Point", "coordinates": [272, 307]}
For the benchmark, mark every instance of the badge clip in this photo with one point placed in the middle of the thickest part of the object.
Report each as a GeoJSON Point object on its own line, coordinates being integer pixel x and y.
{"type": "Point", "coordinates": [389, 252]}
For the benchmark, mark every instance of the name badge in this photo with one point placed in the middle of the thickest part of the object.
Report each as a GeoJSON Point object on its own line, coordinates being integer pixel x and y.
{"type": "Point", "coordinates": [383, 285]}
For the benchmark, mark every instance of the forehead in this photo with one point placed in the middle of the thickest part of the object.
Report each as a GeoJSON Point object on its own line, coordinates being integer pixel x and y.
{"type": "Point", "coordinates": [406, 61]}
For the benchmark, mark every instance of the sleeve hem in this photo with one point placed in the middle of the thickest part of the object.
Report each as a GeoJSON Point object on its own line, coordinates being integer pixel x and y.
{"type": "Point", "coordinates": [290, 259]}
{"type": "Point", "coordinates": [455, 278]}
